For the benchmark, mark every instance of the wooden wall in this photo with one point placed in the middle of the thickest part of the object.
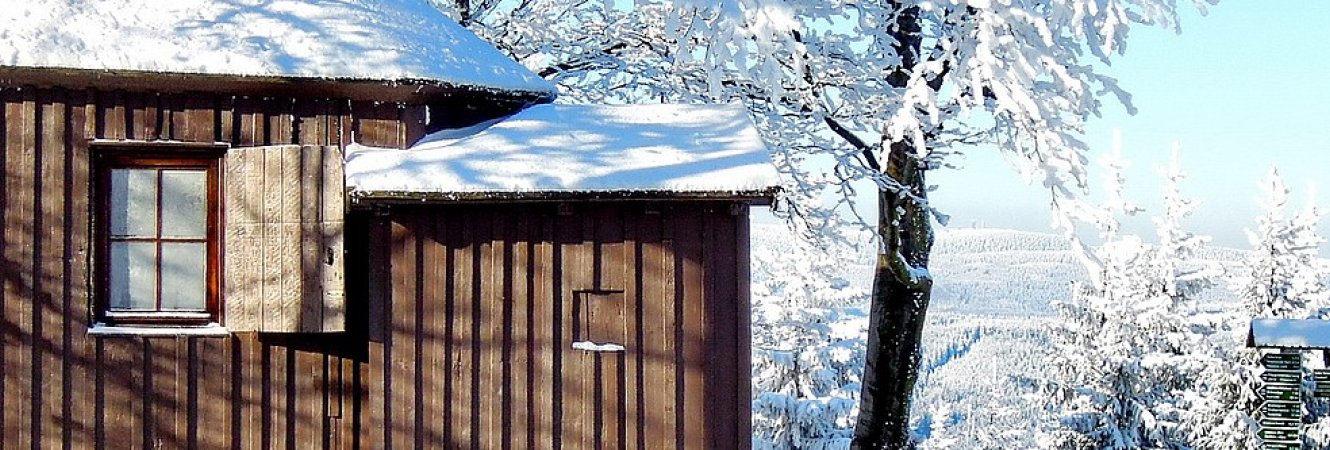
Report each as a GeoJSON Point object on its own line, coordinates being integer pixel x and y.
{"type": "Point", "coordinates": [64, 389]}
{"type": "Point", "coordinates": [409, 381]}
{"type": "Point", "coordinates": [484, 306]}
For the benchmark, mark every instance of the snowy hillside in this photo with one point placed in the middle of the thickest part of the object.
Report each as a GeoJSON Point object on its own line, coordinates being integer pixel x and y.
{"type": "Point", "coordinates": [980, 271]}
{"type": "Point", "coordinates": [1001, 272]}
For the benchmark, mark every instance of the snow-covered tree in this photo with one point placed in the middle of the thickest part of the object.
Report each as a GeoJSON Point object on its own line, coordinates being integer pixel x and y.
{"type": "Point", "coordinates": [1129, 350]}
{"type": "Point", "coordinates": [1284, 276]}
{"type": "Point", "coordinates": [807, 366]}
{"type": "Point", "coordinates": [886, 91]}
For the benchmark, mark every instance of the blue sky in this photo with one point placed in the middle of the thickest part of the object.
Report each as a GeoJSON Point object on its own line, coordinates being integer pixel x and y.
{"type": "Point", "coordinates": [1241, 89]}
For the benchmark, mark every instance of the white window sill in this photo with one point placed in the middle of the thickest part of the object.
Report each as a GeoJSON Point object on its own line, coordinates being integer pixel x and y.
{"type": "Point", "coordinates": [209, 330]}
{"type": "Point", "coordinates": [594, 347]}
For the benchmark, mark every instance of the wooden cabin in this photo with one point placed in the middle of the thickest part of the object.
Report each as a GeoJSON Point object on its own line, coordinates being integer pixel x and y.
{"type": "Point", "coordinates": [230, 227]}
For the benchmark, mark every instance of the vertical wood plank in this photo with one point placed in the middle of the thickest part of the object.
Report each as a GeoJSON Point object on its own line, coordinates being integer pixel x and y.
{"type": "Point", "coordinates": [288, 250]}
{"type": "Point", "coordinates": [633, 280]}
{"type": "Point", "coordinates": [658, 334]}
{"type": "Point", "coordinates": [280, 413]}
{"type": "Point", "coordinates": [111, 116]}
{"type": "Point", "coordinates": [332, 214]}
{"type": "Point", "coordinates": [243, 267]}
{"type": "Point", "coordinates": [182, 409]}
{"type": "Point", "coordinates": [10, 226]}
{"type": "Point", "coordinates": [543, 329]}
{"type": "Point", "coordinates": [271, 267]}
{"type": "Point", "coordinates": [346, 124]}
{"type": "Point", "coordinates": [433, 334]}
{"type": "Point", "coordinates": [280, 121]}
{"type": "Point", "coordinates": [227, 129]}
{"type": "Point", "coordinates": [167, 106]}
{"type": "Point", "coordinates": [142, 121]}
{"type": "Point", "coordinates": [312, 122]}
{"type": "Point", "coordinates": [377, 297]}
{"type": "Point", "coordinates": [123, 375]}
{"type": "Point", "coordinates": [372, 431]}
{"type": "Point", "coordinates": [720, 302]}
{"type": "Point", "coordinates": [676, 284]}
{"type": "Point", "coordinates": [254, 386]}
{"type": "Point", "coordinates": [610, 408]}
{"type": "Point", "coordinates": [50, 313]}
{"type": "Point", "coordinates": [575, 388]}
{"type": "Point", "coordinates": [375, 431]}
{"type": "Point", "coordinates": [80, 364]}
{"type": "Point", "coordinates": [462, 341]}
{"type": "Point", "coordinates": [213, 423]}
{"type": "Point", "coordinates": [200, 117]}
{"type": "Point", "coordinates": [743, 267]}
{"type": "Point", "coordinates": [30, 275]}
{"type": "Point", "coordinates": [158, 391]}
{"type": "Point", "coordinates": [309, 400]}
{"type": "Point", "coordinates": [688, 240]}
{"type": "Point", "coordinates": [519, 370]}
{"type": "Point", "coordinates": [312, 255]}
{"type": "Point", "coordinates": [412, 124]}
{"type": "Point", "coordinates": [377, 124]}
{"type": "Point", "coordinates": [402, 344]}
{"type": "Point", "coordinates": [252, 124]}
{"type": "Point", "coordinates": [352, 415]}
{"type": "Point", "coordinates": [20, 116]}
{"type": "Point", "coordinates": [451, 236]}
{"type": "Point", "coordinates": [491, 326]}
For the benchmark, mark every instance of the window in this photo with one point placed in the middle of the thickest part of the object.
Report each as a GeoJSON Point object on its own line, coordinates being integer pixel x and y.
{"type": "Point", "coordinates": [158, 237]}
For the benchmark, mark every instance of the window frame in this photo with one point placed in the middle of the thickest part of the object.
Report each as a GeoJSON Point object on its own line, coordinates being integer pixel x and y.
{"type": "Point", "coordinates": [108, 158]}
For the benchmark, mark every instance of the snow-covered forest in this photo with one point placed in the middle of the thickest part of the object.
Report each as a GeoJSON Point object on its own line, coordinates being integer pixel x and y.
{"type": "Point", "coordinates": [1111, 340]}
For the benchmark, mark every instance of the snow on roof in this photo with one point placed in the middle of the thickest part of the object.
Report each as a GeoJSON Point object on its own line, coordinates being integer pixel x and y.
{"type": "Point", "coordinates": [377, 40]}
{"type": "Point", "coordinates": [579, 148]}
{"type": "Point", "coordinates": [1290, 333]}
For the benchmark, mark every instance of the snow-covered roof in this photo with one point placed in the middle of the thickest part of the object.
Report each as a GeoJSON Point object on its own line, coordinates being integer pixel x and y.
{"type": "Point", "coordinates": [1290, 333]}
{"type": "Point", "coordinates": [552, 149]}
{"type": "Point", "coordinates": [400, 41]}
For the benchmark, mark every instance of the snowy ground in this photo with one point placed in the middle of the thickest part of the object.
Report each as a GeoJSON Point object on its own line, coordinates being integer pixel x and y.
{"type": "Point", "coordinates": [986, 334]}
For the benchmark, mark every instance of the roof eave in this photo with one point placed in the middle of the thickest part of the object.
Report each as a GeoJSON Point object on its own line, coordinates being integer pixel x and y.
{"type": "Point", "coordinates": [758, 197]}
{"type": "Point", "coordinates": [403, 90]}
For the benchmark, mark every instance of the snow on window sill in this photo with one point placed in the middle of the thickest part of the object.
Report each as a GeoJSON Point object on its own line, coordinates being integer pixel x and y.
{"type": "Point", "coordinates": [209, 330]}
{"type": "Point", "coordinates": [594, 347]}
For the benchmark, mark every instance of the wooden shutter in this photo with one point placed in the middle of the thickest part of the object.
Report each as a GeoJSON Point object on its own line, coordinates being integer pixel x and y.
{"type": "Point", "coordinates": [283, 239]}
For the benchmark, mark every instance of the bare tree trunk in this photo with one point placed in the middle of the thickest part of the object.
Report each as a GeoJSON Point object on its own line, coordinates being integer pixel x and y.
{"type": "Point", "coordinates": [463, 12]}
{"type": "Point", "coordinates": [901, 284]}
{"type": "Point", "coordinates": [901, 292]}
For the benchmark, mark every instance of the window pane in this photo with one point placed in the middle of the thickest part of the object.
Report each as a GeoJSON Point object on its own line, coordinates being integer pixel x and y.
{"type": "Point", "coordinates": [183, 280]}
{"type": "Point", "coordinates": [133, 275]}
{"type": "Point", "coordinates": [133, 202]}
{"type": "Point", "coordinates": [184, 196]}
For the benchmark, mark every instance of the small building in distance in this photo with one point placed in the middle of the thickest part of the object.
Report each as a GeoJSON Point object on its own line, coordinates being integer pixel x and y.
{"type": "Point", "coordinates": [356, 225]}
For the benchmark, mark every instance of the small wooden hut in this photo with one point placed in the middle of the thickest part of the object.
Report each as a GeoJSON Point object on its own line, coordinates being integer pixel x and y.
{"type": "Point", "coordinates": [241, 226]}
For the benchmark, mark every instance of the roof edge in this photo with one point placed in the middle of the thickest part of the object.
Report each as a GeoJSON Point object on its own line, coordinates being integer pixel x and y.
{"type": "Point", "coordinates": [406, 90]}
{"type": "Point", "coordinates": [760, 197]}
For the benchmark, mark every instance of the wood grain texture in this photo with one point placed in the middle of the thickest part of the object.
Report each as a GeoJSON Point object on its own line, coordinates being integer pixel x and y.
{"type": "Point", "coordinates": [50, 311]}
{"type": "Point", "coordinates": [331, 220]}
{"type": "Point", "coordinates": [20, 238]}
{"type": "Point", "coordinates": [284, 239]}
